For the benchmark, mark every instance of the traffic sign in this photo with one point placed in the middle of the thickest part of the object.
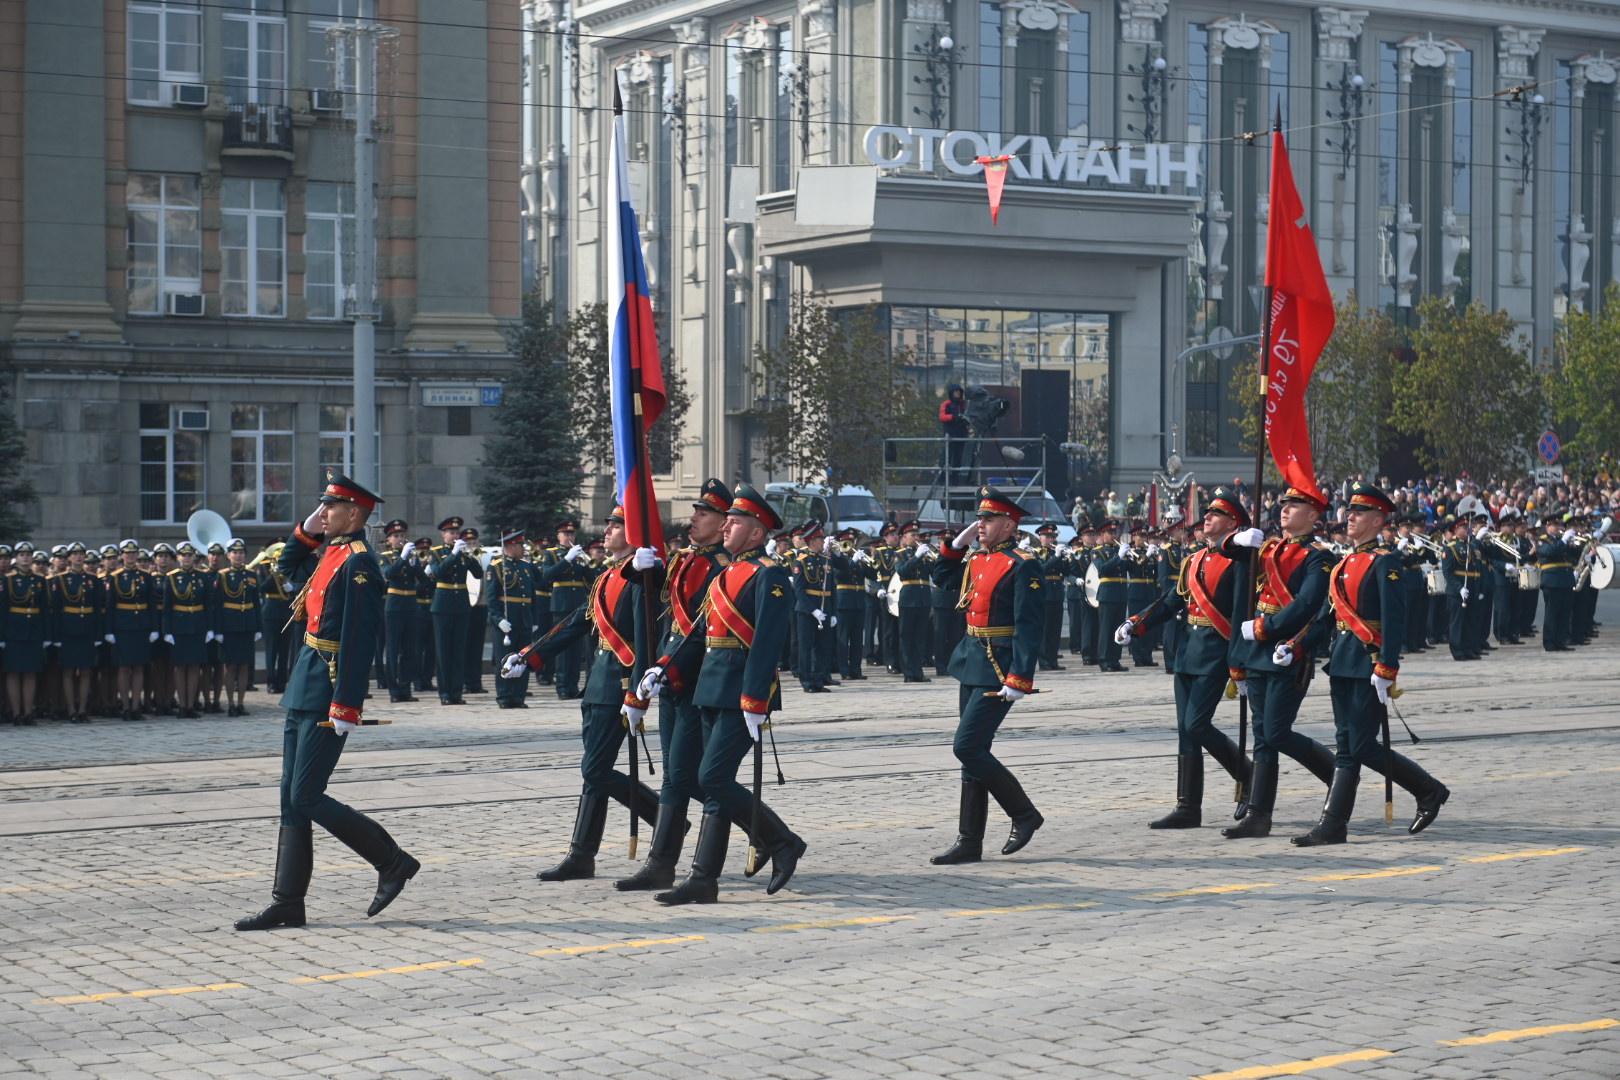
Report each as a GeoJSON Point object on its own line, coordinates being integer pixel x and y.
{"type": "Point", "coordinates": [1548, 446]}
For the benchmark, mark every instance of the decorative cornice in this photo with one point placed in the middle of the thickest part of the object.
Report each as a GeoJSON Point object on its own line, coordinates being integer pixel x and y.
{"type": "Point", "coordinates": [1337, 30]}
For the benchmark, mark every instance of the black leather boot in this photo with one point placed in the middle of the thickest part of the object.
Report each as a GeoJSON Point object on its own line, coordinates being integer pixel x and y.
{"type": "Point", "coordinates": [1430, 793]}
{"type": "Point", "coordinates": [1262, 798]}
{"type": "Point", "coordinates": [1189, 811]}
{"type": "Point", "coordinates": [372, 843]}
{"type": "Point", "coordinates": [975, 809]}
{"type": "Point", "coordinates": [658, 872]}
{"type": "Point", "coordinates": [295, 860]}
{"type": "Point", "coordinates": [1333, 828]}
{"type": "Point", "coordinates": [783, 846]}
{"type": "Point", "coordinates": [1009, 795]}
{"type": "Point", "coordinates": [589, 823]}
{"type": "Point", "coordinates": [391, 879]}
{"type": "Point", "coordinates": [1225, 753]}
{"type": "Point", "coordinates": [702, 885]}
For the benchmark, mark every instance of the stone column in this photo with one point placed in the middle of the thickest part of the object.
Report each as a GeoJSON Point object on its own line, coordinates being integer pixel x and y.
{"type": "Point", "coordinates": [820, 44]}
{"type": "Point", "coordinates": [1516, 51]}
{"type": "Point", "coordinates": [1338, 36]}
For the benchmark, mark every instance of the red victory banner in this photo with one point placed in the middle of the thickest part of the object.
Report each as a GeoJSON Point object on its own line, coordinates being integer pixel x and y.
{"type": "Point", "coordinates": [995, 178]}
{"type": "Point", "coordinates": [1301, 321]}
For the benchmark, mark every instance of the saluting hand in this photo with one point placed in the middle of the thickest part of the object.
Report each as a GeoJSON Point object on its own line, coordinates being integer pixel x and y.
{"type": "Point", "coordinates": [313, 524]}
{"type": "Point", "coordinates": [965, 537]}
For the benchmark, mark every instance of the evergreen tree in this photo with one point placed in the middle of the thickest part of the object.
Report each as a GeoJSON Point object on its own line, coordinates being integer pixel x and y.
{"type": "Point", "coordinates": [531, 471]}
{"type": "Point", "coordinates": [16, 493]}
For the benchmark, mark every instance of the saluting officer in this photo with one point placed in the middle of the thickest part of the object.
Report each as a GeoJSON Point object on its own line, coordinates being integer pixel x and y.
{"type": "Point", "coordinates": [131, 626]}
{"type": "Point", "coordinates": [449, 569]}
{"type": "Point", "coordinates": [1002, 591]}
{"type": "Point", "coordinates": [236, 623]}
{"type": "Point", "coordinates": [341, 609]}
{"type": "Point", "coordinates": [510, 589]}
{"type": "Point", "coordinates": [565, 570]}
{"type": "Point", "coordinates": [1367, 598]}
{"type": "Point", "coordinates": [402, 576]}
{"type": "Point", "coordinates": [1207, 590]}
{"type": "Point", "coordinates": [615, 613]}
{"type": "Point", "coordinates": [680, 720]}
{"type": "Point", "coordinates": [731, 656]}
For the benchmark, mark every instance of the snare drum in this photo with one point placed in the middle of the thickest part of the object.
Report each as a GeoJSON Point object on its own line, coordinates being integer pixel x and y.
{"type": "Point", "coordinates": [1434, 580]}
{"type": "Point", "coordinates": [1529, 577]}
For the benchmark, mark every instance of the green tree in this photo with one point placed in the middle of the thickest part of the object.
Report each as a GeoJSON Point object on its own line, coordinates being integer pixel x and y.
{"type": "Point", "coordinates": [1584, 385]}
{"type": "Point", "coordinates": [830, 394]}
{"type": "Point", "coordinates": [1471, 395]}
{"type": "Point", "coordinates": [16, 493]}
{"type": "Point", "coordinates": [1348, 404]}
{"type": "Point", "coordinates": [587, 335]}
{"type": "Point", "coordinates": [531, 471]}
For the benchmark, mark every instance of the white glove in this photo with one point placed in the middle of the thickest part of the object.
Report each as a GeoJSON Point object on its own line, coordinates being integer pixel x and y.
{"type": "Point", "coordinates": [574, 553]}
{"type": "Point", "coordinates": [1249, 538]}
{"type": "Point", "coordinates": [109, 639]}
{"type": "Point", "coordinates": [965, 537]}
{"type": "Point", "coordinates": [652, 681]}
{"type": "Point", "coordinates": [512, 667]}
{"type": "Point", "coordinates": [168, 639]}
{"type": "Point", "coordinates": [832, 620]}
{"type": "Point", "coordinates": [1480, 533]}
{"type": "Point", "coordinates": [923, 548]}
{"type": "Point", "coordinates": [504, 627]}
{"type": "Point", "coordinates": [1248, 629]}
{"type": "Point", "coordinates": [827, 545]}
{"type": "Point", "coordinates": [1124, 548]}
{"type": "Point", "coordinates": [862, 557]}
{"type": "Point", "coordinates": [1122, 634]}
{"type": "Point", "coordinates": [645, 558]}
{"type": "Point", "coordinates": [1463, 593]}
{"type": "Point", "coordinates": [1024, 544]}
{"type": "Point", "coordinates": [1401, 544]}
{"type": "Point", "coordinates": [258, 635]}
{"type": "Point", "coordinates": [819, 615]}
{"type": "Point", "coordinates": [1152, 550]}
{"type": "Point", "coordinates": [1009, 695]}
{"type": "Point", "coordinates": [1242, 687]}
{"type": "Point", "coordinates": [458, 547]}
{"type": "Point", "coordinates": [151, 637]}
{"type": "Point", "coordinates": [1568, 537]}
{"type": "Point", "coordinates": [1382, 686]}
{"type": "Point", "coordinates": [208, 638]}
{"type": "Point", "coordinates": [882, 593]}
{"type": "Point", "coordinates": [343, 727]}
{"type": "Point", "coordinates": [755, 721]}
{"type": "Point", "coordinates": [634, 715]}
{"type": "Point", "coordinates": [312, 523]}
{"type": "Point", "coordinates": [770, 547]}
{"type": "Point", "coordinates": [1283, 655]}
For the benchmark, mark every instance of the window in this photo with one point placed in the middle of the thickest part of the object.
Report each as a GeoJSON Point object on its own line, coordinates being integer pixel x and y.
{"type": "Point", "coordinates": [252, 241]}
{"type": "Point", "coordinates": [261, 463]}
{"type": "Point", "coordinates": [989, 66]}
{"type": "Point", "coordinates": [254, 40]}
{"type": "Point", "coordinates": [328, 249]}
{"type": "Point", "coordinates": [165, 239]}
{"type": "Point", "coordinates": [337, 440]}
{"type": "Point", "coordinates": [329, 63]}
{"type": "Point", "coordinates": [165, 47]}
{"type": "Point", "coordinates": [171, 466]}
{"type": "Point", "coordinates": [1079, 103]}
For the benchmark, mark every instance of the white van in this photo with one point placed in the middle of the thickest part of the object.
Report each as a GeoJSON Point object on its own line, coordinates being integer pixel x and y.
{"type": "Point", "coordinates": [854, 507]}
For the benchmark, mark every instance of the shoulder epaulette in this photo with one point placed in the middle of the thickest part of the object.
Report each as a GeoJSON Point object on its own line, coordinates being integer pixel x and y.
{"type": "Point", "coordinates": [356, 547]}
{"type": "Point", "coordinates": [1022, 554]}
{"type": "Point", "coordinates": [173, 572]}
{"type": "Point", "coordinates": [723, 558]}
{"type": "Point", "coordinates": [766, 560]}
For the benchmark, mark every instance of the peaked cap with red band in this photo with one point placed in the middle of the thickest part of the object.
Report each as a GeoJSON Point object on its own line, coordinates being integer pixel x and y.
{"type": "Point", "coordinates": [810, 530]}
{"type": "Point", "coordinates": [993, 503]}
{"type": "Point", "coordinates": [715, 496]}
{"type": "Point", "coordinates": [1299, 495]}
{"type": "Point", "coordinates": [342, 489]}
{"type": "Point", "coordinates": [1364, 496]}
{"type": "Point", "coordinates": [1226, 501]}
{"type": "Point", "coordinates": [747, 502]}
{"type": "Point", "coordinates": [617, 515]}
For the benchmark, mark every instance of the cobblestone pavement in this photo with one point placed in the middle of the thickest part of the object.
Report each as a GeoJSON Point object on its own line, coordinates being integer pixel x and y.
{"type": "Point", "coordinates": [1480, 949]}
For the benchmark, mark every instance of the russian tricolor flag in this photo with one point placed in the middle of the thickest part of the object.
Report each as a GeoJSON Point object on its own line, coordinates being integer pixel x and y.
{"type": "Point", "coordinates": [636, 378]}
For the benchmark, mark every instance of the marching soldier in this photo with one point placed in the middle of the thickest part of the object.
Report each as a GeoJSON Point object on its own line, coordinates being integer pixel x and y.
{"type": "Point", "coordinates": [402, 576]}
{"type": "Point", "coordinates": [1112, 582]}
{"type": "Point", "coordinates": [275, 617]}
{"type": "Point", "coordinates": [236, 624]}
{"type": "Point", "coordinates": [814, 616]}
{"type": "Point", "coordinates": [510, 592]}
{"type": "Point", "coordinates": [949, 623]}
{"type": "Point", "coordinates": [994, 662]}
{"type": "Point", "coordinates": [565, 571]}
{"type": "Point", "coordinates": [131, 624]}
{"type": "Point", "coordinates": [1052, 573]}
{"type": "Point", "coordinates": [24, 629]}
{"type": "Point", "coordinates": [737, 687]}
{"type": "Point", "coordinates": [1276, 649]}
{"type": "Point", "coordinates": [1557, 557]}
{"type": "Point", "coordinates": [615, 613]}
{"type": "Point", "coordinates": [185, 628]}
{"type": "Point", "coordinates": [916, 600]}
{"type": "Point", "coordinates": [341, 608]}
{"type": "Point", "coordinates": [680, 720]}
{"type": "Point", "coordinates": [1366, 594]}
{"type": "Point", "coordinates": [449, 569]}
{"type": "Point", "coordinates": [1206, 590]}
{"type": "Point", "coordinates": [76, 626]}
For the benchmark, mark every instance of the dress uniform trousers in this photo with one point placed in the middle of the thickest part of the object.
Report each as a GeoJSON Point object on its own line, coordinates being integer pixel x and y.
{"type": "Point", "coordinates": [949, 626]}
{"type": "Point", "coordinates": [680, 737]}
{"type": "Point", "coordinates": [981, 713]}
{"type": "Point", "coordinates": [1502, 610]}
{"type": "Point", "coordinates": [913, 633]}
{"type": "Point", "coordinates": [815, 650]}
{"type": "Point", "coordinates": [1110, 614]}
{"type": "Point", "coordinates": [450, 648]}
{"type": "Point", "coordinates": [1457, 630]}
{"type": "Point", "coordinates": [726, 744]}
{"type": "Point", "coordinates": [472, 664]}
{"type": "Point", "coordinates": [513, 691]}
{"type": "Point", "coordinates": [1052, 626]}
{"type": "Point", "coordinates": [603, 732]}
{"type": "Point", "coordinates": [851, 639]}
{"type": "Point", "coordinates": [1357, 727]}
{"type": "Point", "coordinates": [1274, 700]}
{"type": "Point", "coordinates": [399, 621]}
{"type": "Point", "coordinates": [1141, 645]}
{"type": "Point", "coordinates": [273, 616]}
{"type": "Point", "coordinates": [308, 756]}
{"type": "Point", "coordinates": [1555, 620]}
{"type": "Point", "coordinates": [422, 642]}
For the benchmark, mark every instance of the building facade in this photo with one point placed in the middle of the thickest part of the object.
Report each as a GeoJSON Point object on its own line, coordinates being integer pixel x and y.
{"type": "Point", "coordinates": [176, 254]}
{"type": "Point", "coordinates": [1459, 148]}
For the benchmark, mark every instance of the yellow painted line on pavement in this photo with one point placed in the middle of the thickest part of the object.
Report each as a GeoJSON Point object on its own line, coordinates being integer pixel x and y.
{"type": "Point", "coordinates": [1366, 875]}
{"type": "Point", "coordinates": [124, 995]}
{"type": "Point", "coordinates": [404, 969]}
{"type": "Point", "coordinates": [831, 924]}
{"type": "Point", "coordinates": [1299, 1068]}
{"type": "Point", "coordinates": [1538, 853]}
{"type": "Point", "coordinates": [1210, 890]}
{"type": "Point", "coordinates": [1023, 907]}
{"type": "Point", "coordinates": [642, 943]}
{"type": "Point", "coordinates": [1532, 1032]}
{"type": "Point", "coordinates": [1552, 774]}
